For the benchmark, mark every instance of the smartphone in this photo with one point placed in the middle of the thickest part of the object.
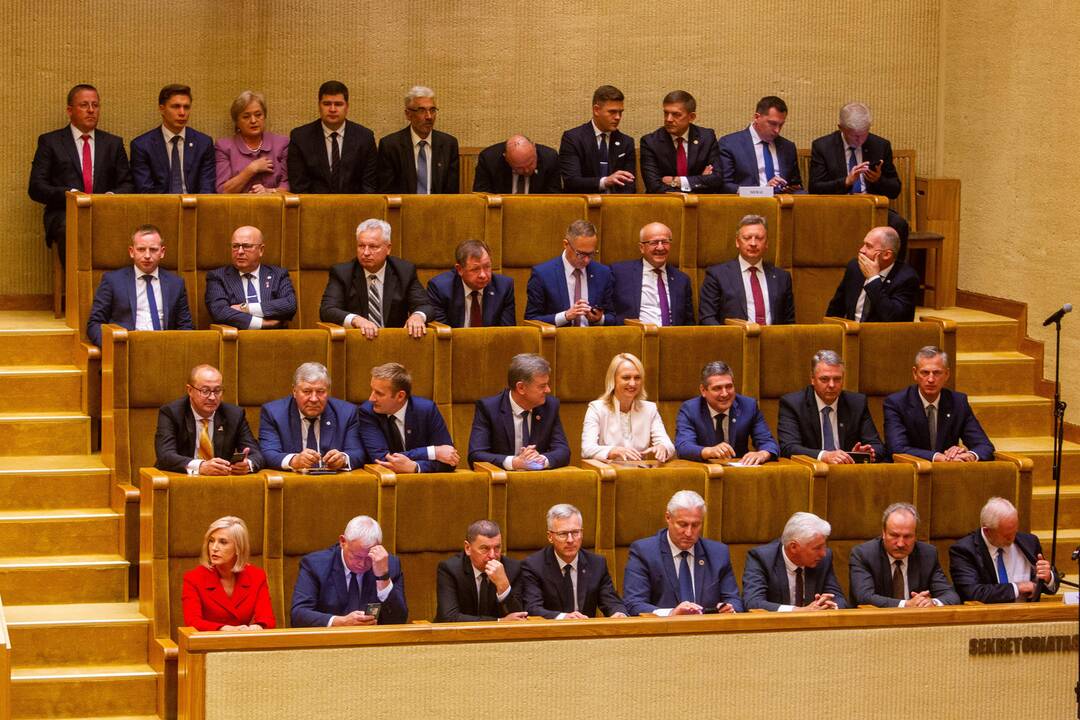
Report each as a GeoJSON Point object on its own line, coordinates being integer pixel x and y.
{"type": "Point", "coordinates": [237, 457]}
{"type": "Point", "coordinates": [373, 609]}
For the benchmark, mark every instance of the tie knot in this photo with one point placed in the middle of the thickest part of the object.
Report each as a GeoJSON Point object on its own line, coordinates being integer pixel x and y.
{"type": "Point", "coordinates": [148, 278]}
{"type": "Point", "coordinates": [577, 272]}
{"type": "Point", "coordinates": [567, 568]}
{"type": "Point", "coordinates": [248, 276]}
{"type": "Point", "coordinates": [85, 138]}
{"type": "Point", "coordinates": [826, 411]}
{"type": "Point", "coordinates": [765, 144]}
{"type": "Point", "coordinates": [175, 139]}
{"type": "Point", "coordinates": [658, 271]}
{"type": "Point", "coordinates": [524, 414]}
{"type": "Point", "coordinates": [422, 143]}
{"type": "Point", "coordinates": [474, 294]}
{"type": "Point", "coordinates": [679, 140]}
{"type": "Point", "coordinates": [334, 135]}
{"type": "Point", "coordinates": [372, 277]}
{"type": "Point", "coordinates": [753, 269]}
{"type": "Point", "coordinates": [685, 554]}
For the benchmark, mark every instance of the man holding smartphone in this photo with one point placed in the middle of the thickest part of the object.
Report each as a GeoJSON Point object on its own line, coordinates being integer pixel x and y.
{"type": "Point", "coordinates": [572, 289]}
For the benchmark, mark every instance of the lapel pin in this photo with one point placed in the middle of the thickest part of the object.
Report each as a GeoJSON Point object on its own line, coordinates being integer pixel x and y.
{"type": "Point", "coordinates": [616, 142]}
{"type": "Point", "coordinates": [408, 431]}
{"type": "Point", "coordinates": [700, 562]}
{"type": "Point", "coordinates": [327, 423]}
{"type": "Point", "coordinates": [191, 144]}
{"type": "Point", "coordinates": [220, 428]}
{"type": "Point", "coordinates": [695, 142]}
{"type": "Point", "coordinates": [538, 417]}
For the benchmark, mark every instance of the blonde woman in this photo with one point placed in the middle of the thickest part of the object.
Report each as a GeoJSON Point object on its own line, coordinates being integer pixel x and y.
{"type": "Point", "coordinates": [621, 424]}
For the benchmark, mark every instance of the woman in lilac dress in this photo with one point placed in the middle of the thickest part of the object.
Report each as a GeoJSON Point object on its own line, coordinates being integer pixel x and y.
{"type": "Point", "coordinates": [252, 160]}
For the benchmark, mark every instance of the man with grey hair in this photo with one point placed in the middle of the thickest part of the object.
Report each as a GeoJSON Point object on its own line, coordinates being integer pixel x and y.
{"type": "Point", "coordinates": [793, 573]}
{"type": "Point", "coordinates": [748, 287]}
{"type": "Point", "coordinates": [999, 564]}
{"type": "Point", "coordinates": [375, 290]}
{"type": "Point", "coordinates": [250, 294]}
{"type": "Point", "coordinates": [332, 154]}
{"type": "Point", "coordinates": [471, 295]}
{"type": "Point", "coordinates": [573, 288]}
{"type": "Point", "coordinates": [310, 429]}
{"type": "Point", "coordinates": [564, 580]}
{"type": "Point", "coordinates": [354, 582]}
{"type": "Point", "coordinates": [896, 570]}
{"type": "Point", "coordinates": [822, 419]}
{"type": "Point", "coordinates": [517, 167]}
{"type": "Point", "coordinates": [877, 286]}
{"type": "Point", "coordinates": [479, 583]}
{"type": "Point", "coordinates": [418, 158]}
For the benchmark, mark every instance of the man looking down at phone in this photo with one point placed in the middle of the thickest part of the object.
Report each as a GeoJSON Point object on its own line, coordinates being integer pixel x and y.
{"type": "Point", "coordinates": [572, 289]}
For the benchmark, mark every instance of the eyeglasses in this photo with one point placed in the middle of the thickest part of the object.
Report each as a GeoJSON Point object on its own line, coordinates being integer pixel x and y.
{"type": "Point", "coordinates": [566, 534]}
{"type": "Point", "coordinates": [580, 255]}
{"type": "Point", "coordinates": [424, 111]}
{"type": "Point", "coordinates": [246, 247]}
{"type": "Point", "coordinates": [209, 392]}
{"type": "Point", "coordinates": [655, 243]}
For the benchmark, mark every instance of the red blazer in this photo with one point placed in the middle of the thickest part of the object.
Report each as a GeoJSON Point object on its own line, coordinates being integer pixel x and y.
{"type": "Point", "coordinates": [207, 607]}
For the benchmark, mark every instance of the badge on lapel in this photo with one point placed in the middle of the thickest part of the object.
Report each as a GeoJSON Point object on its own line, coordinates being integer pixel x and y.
{"type": "Point", "coordinates": [695, 142]}
{"type": "Point", "coordinates": [700, 562]}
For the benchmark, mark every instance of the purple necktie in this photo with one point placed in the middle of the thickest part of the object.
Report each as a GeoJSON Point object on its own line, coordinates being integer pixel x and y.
{"type": "Point", "coordinates": [661, 291]}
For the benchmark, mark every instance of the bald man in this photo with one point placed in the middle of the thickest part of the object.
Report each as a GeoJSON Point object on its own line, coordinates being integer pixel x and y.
{"type": "Point", "coordinates": [649, 288]}
{"type": "Point", "coordinates": [249, 294]}
{"type": "Point", "coordinates": [518, 167]}
{"type": "Point", "coordinates": [876, 286]}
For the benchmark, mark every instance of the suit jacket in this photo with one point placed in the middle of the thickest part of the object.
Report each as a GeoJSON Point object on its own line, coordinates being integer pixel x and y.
{"type": "Point", "coordinates": [627, 276]}
{"type": "Point", "coordinates": [650, 582]}
{"type": "Point", "coordinates": [424, 426]}
{"type": "Point", "coordinates": [150, 160]}
{"type": "Point", "coordinates": [738, 161]}
{"type": "Point", "coordinates": [397, 163]}
{"type": "Point", "coordinates": [723, 296]}
{"type": "Point", "coordinates": [658, 160]}
{"type": "Point", "coordinates": [695, 430]}
{"type": "Point", "coordinates": [547, 293]}
{"type": "Point", "coordinates": [603, 430]}
{"type": "Point", "coordinates": [542, 585]}
{"type": "Point", "coordinates": [493, 174]}
{"type": "Point", "coordinates": [892, 298]}
{"type": "Point", "coordinates": [446, 295]}
{"type": "Point", "coordinates": [765, 583]}
{"type": "Point", "coordinates": [114, 302]}
{"type": "Point", "coordinates": [829, 165]}
{"type": "Point", "coordinates": [174, 441]}
{"type": "Point", "coordinates": [455, 586]}
{"type": "Point", "coordinates": [871, 575]}
{"type": "Point", "coordinates": [57, 168]}
{"type": "Point", "coordinates": [346, 292]}
{"type": "Point", "coordinates": [225, 288]}
{"type": "Point", "coordinates": [309, 164]}
{"type": "Point", "coordinates": [975, 575]}
{"type": "Point", "coordinates": [906, 429]}
{"type": "Point", "coordinates": [320, 591]}
{"type": "Point", "coordinates": [492, 436]}
{"type": "Point", "coordinates": [280, 431]}
{"type": "Point", "coordinates": [207, 606]}
{"type": "Point", "coordinates": [799, 424]}
{"type": "Point", "coordinates": [579, 159]}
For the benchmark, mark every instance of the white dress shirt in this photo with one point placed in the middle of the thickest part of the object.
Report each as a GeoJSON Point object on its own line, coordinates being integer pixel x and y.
{"type": "Point", "coordinates": [883, 273]}
{"type": "Point", "coordinates": [684, 184]}
{"type": "Point", "coordinates": [751, 308]}
{"type": "Point", "coordinates": [381, 594]}
{"type": "Point", "coordinates": [398, 419]}
{"type": "Point", "coordinates": [790, 568]}
{"type": "Point", "coordinates": [330, 143]}
{"type": "Point", "coordinates": [193, 466]}
{"type": "Point", "coordinates": [759, 154]}
{"type": "Point", "coordinates": [169, 135]}
{"type": "Point", "coordinates": [606, 427]}
{"type": "Point", "coordinates": [254, 308]}
{"type": "Point", "coordinates": [306, 422]}
{"type": "Point", "coordinates": [143, 320]}
{"type": "Point", "coordinates": [573, 580]}
{"type": "Point", "coordinates": [597, 132]}
{"type": "Point", "coordinates": [940, 419]}
{"type": "Point", "coordinates": [725, 424]}
{"type": "Point", "coordinates": [832, 421]}
{"type": "Point", "coordinates": [380, 284]}
{"type": "Point", "coordinates": [650, 295]}
{"type": "Point", "coordinates": [907, 585]}
{"type": "Point", "coordinates": [858, 159]}
{"type": "Point", "coordinates": [427, 154]}
{"type": "Point", "coordinates": [675, 552]}
{"type": "Point", "coordinates": [568, 272]}
{"type": "Point", "coordinates": [516, 410]}
{"type": "Point", "coordinates": [469, 301]}
{"type": "Point", "coordinates": [1017, 567]}
{"type": "Point", "coordinates": [77, 134]}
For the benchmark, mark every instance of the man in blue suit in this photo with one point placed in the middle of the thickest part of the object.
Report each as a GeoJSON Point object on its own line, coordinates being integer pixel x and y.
{"type": "Point", "coordinates": [877, 287]}
{"type": "Point", "coordinates": [310, 429]}
{"type": "Point", "coordinates": [676, 571]}
{"type": "Point", "coordinates": [122, 298]}
{"type": "Point", "coordinates": [401, 431]}
{"type": "Point", "coordinates": [720, 423]}
{"type": "Point", "coordinates": [356, 582]}
{"type": "Point", "coordinates": [794, 572]}
{"type": "Point", "coordinates": [248, 294]}
{"type": "Point", "coordinates": [758, 156]}
{"type": "Point", "coordinates": [929, 420]}
{"type": "Point", "coordinates": [519, 429]}
{"type": "Point", "coordinates": [680, 156]}
{"type": "Point", "coordinates": [471, 295]}
{"type": "Point", "coordinates": [596, 157]}
{"type": "Point", "coordinates": [650, 289]}
{"type": "Point", "coordinates": [173, 158]}
{"type": "Point", "coordinates": [572, 289]}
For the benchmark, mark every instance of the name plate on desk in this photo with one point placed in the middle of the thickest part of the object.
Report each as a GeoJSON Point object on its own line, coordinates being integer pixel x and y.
{"type": "Point", "coordinates": [756, 191]}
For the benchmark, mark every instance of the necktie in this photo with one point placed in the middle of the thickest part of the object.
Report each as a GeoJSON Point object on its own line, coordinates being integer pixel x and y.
{"type": "Point", "coordinates": [206, 445]}
{"type": "Point", "coordinates": [526, 436]}
{"type": "Point", "coordinates": [865, 313]}
{"type": "Point", "coordinates": [680, 157]}
{"type": "Point", "coordinates": [661, 292]}
{"type": "Point", "coordinates": [857, 186]}
{"type": "Point", "coordinates": [720, 436]}
{"type": "Point", "coordinates": [354, 593]}
{"type": "Point", "coordinates": [766, 155]}
{"type": "Point", "coordinates": [476, 315]}
{"type": "Point", "coordinates": [396, 442]}
{"type": "Point", "coordinates": [335, 162]}
{"type": "Point", "coordinates": [312, 443]}
{"type": "Point", "coordinates": [151, 301]}
{"type": "Point", "coordinates": [759, 298]}
{"type": "Point", "coordinates": [520, 185]}
{"type": "Point", "coordinates": [828, 441]}
{"type": "Point", "coordinates": [176, 168]}
{"type": "Point", "coordinates": [931, 424]}
{"type": "Point", "coordinates": [374, 300]}
{"type": "Point", "coordinates": [482, 592]}
{"type": "Point", "coordinates": [603, 155]}
{"type": "Point", "coordinates": [800, 588]}
{"type": "Point", "coordinates": [252, 293]}
{"type": "Point", "coordinates": [577, 294]}
{"type": "Point", "coordinates": [87, 165]}
{"type": "Point", "coordinates": [568, 589]}
{"type": "Point", "coordinates": [686, 580]}
{"type": "Point", "coordinates": [898, 580]}
{"type": "Point", "coordinates": [421, 169]}
{"type": "Point", "coordinates": [1003, 576]}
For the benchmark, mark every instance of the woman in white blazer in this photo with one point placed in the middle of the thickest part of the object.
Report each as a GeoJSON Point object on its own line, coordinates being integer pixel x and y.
{"type": "Point", "coordinates": [621, 424]}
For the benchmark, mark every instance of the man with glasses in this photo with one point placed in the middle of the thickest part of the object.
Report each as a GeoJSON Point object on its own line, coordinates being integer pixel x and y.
{"type": "Point", "coordinates": [419, 159]}
{"type": "Point", "coordinates": [200, 435]}
{"type": "Point", "coordinates": [572, 289]}
{"type": "Point", "coordinates": [650, 289]}
{"type": "Point", "coordinates": [248, 294]}
{"type": "Point", "coordinates": [332, 154]}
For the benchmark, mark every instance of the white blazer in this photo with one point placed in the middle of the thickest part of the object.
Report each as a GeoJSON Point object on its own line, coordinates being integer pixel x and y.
{"type": "Point", "coordinates": [604, 429]}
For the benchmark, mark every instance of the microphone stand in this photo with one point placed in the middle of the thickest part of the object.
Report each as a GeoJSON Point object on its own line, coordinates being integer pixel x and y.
{"type": "Point", "coordinates": [1076, 558]}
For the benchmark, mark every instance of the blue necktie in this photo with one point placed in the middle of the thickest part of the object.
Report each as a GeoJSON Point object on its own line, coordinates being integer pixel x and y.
{"type": "Point", "coordinates": [312, 443]}
{"type": "Point", "coordinates": [686, 581]}
{"type": "Point", "coordinates": [770, 170]}
{"type": "Point", "coordinates": [857, 186]}
{"type": "Point", "coordinates": [1003, 577]}
{"type": "Point", "coordinates": [354, 593]}
{"type": "Point", "coordinates": [421, 169]}
{"type": "Point", "coordinates": [603, 155]}
{"type": "Point", "coordinates": [829, 441]}
{"type": "Point", "coordinates": [252, 293]}
{"type": "Point", "coordinates": [526, 436]}
{"type": "Point", "coordinates": [176, 170]}
{"type": "Point", "coordinates": [151, 300]}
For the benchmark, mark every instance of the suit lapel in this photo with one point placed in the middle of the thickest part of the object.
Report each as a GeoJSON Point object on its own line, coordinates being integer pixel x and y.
{"type": "Point", "coordinates": [410, 425]}
{"type": "Point", "coordinates": [71, 147]}
{"type": "Point", "coordinates": [189, 159]}
{"type": "Point", "coordinates": [349, 146]}
{"type": "Point", "coordinates": [328, 433]}
{"type": "Point", "coordinates": [235, 284]}
{"type": "Point", "coordinates": [131, 281]}
{"type": "Point", "coordinates": [946, 408]}
{"type": "Point", "coordinates": [265, 283]}
{"type": "Point", "coordinates": [359, 288]}
{"type": "Point", "coordinates": [337, 580]}
{"type": "Point", "coordinates": [410, 160]}
{"type": "Point", "coordinates": [322, 159]}
{"type": "Point", "coordinates": [780, 573]}
{"type": "Point", "coordinates": [166, 299]}
{"type": "Point", "coordinates": [922, 427]}
{"type": "Point", "coordinates": [707, 421]}
{"type": "Point", "coordinates": [506, 420]}
{"type": "Point", "coordinates": [389, 291]}
{"type": "Point", "coordinates": [693, 148]}
{"type": "Point", "coordinates": [488, 307]}
{"type": "Point", "coordinates": [295, 441]}
{"type": "Point", "coordinates": [457, 302]}
{"type": "Point", "coordinates": [639, 274]}
{"type": "Point", "coordinates": [773, 283]}
{"type": "Point", "coordinates": [701, 559]}
{"type": "Point", "coordinates": [844, 421]}
{"type": "Point", "coordinates": [582, 579]}
{"type": "Point", "coordinates": [736, 283]}
{"type": "Point", "coordinates": [668, 562]}
{"type": "Point", "coordinates": [219, 433]}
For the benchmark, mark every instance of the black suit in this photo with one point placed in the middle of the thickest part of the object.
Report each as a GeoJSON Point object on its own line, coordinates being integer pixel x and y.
{"type": "Point", "coordinates": [176, 434]}
{"type": "Point", "coordinates": [891, 299]}
{"type": "Point", "coordinates": [975, 575]}
{"type": "Point", "coordinates": [493, 173]}
{"type": "Point", "coordinates": [723, 295]}
{"type": "Point", "coordinates": [871, 575]}
{"type": "Point", "coordinates": [579, 159]}
{"type": "Point", "coordinates": [658, 160]}
{"type": "Point", "coordinates": [798, 426]}
{"type": "Point", "coordinates": [347, 292]}
{"type": "Point", "coordinates": [309, 163]}
{"type": "Point", "coordinates": [397, 163]}
{"type": "Point", "coordinates": [457, 592]}
{"type": "Point", "coordinates": [543, 582]}
{"type": "Point", "coordinates": [765, 583]}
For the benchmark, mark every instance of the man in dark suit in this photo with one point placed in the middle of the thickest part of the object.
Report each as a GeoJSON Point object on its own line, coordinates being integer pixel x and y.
{"type": "Point", "coordinates": [929, 420]}
{"type": "Point", "coordinates": [471, 295]}
{"type": "Point", "coordinates": [572, 289]}
{"type": "Point", "coordinates": [173, 158]}
{"type": "Point", "coordinates": [596, 156]}
{"type": "Point", "coordinates": [649, 289]}
{"type": "Point", "coordinates": [248, 294]}
{"type": "Point", "coordinates": [877, 287]}
{"type": "Point", "coordinates": [999, 564]}
{"type": "Point", "coordinates": [200, 435]}
{"type": "Point", "coordinates": [734, 289]}
{"type": "Point", "coordinates": [310, 429]}
{"type": "Point", "coordinates": [375, 290]}
{"type": "Point", "coordinates": [680, 156]}
{"type": "Point", "coordinates": [758, 156]}
{"type": "Point", "coordinates": [356, 582]}
{"type": "Point", "coordinates": [418, 158]}
{"type": "Point", "coordinates": [332, 154]}
{"type": "Point", "coordinates": [479, 583]}
{"type": "Point", "coordinates": [78, 157]}
{"type": "Point", "coordinates": [823, 418]}
{"type": "Point", "coordinates": [517, 167]}
{"type": "Point", "coordinates": [123, 295]}
{"type": "Point", "coordinates": [896, 570]}
{"type": "Point", "coordinates": [720, 423]}
{"type": "Point", "coordinates": [676, 571]}
{"type": "Point", "coordinates": [793, 573]}
{"type": "Point", "coordinates": [565, 581]}
{"type": "Point", "coordinates": [519, 429]}
{"type": "Point", "coordinates": [401, 431]}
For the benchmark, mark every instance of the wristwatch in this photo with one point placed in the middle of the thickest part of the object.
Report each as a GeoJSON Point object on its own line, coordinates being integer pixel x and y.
{"type": "Point", "coordinates": [383, 577]}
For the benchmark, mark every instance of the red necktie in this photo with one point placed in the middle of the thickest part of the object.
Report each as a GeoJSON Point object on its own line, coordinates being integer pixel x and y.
{"type": "Point", "coordinates": [759, 299]}
{"type": "Point", "coordinates": [680, 157]}
{"type": "Point", "coordinates": [476, 318]}
{"type": "Point", "coordinates": [87, 166]}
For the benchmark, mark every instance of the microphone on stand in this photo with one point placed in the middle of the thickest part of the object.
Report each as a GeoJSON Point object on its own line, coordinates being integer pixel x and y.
{"type": "Point", "coordinates": [1060, 313]}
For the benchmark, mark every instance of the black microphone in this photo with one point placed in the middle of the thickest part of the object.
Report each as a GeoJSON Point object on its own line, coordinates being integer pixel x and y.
{"type": "Point", "coordinates": [1066, 308]}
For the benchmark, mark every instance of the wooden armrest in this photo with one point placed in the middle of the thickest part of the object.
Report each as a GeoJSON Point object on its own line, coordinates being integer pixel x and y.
{"type": "Point", "coordinates": [386, 475]}
{"type": "Point", "coordinates": [337, 332]}
{"type": "Point", "coordinates": [601, 468]}
{"type": "Point", "coordinates": [819, 468]}
{"type": "Point", "coordinates": [538, 324]}
{"type": "Point", "coordinates": [494, 472]}
{"type": "Point", "coordinates": [1022, 462]}
{"type": "Point", "coordinates": [163, 651]}
{"type": "Point", "coordinates": [850, 326]}
{"type": "Point", "coordinates": [921, 466]}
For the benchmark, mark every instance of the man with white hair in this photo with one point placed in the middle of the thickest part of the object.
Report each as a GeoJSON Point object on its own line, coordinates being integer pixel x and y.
{"type": "Point", "coordinates": [794, 573]}
{"type": "Point", "coordinates": [678, 572]}
{"type": "Point", "coordinates": [355, 582]}
{"type": "Point", "coordinates": [517, 167]}
{"type": "Point", "coordinates": [418, 159]}
{"type": "Point", "coordinates": [877, 286]}
{"type": "Point", "coordinates": [999, 564]}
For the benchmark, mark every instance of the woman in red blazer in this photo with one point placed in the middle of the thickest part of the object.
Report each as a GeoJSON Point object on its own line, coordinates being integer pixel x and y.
{"type": "Point", "coordinates": [224, 592]}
